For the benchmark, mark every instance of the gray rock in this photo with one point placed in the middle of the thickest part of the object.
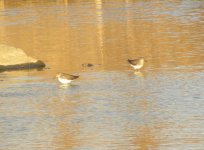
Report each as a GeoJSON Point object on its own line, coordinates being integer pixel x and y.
{"type": "Point", "coordinates": [12, 58]}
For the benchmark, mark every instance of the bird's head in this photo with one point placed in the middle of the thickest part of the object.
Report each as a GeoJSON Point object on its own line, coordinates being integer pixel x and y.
{"type": "Point", "coordinates": [141, 59]}
{"type": "Point", "coordinates": [58, 75]}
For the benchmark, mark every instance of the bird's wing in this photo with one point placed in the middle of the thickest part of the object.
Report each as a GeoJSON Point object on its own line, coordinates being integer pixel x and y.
{"type": "Point", "coordinates": [69, 76]}
{"type": "Point", "coordinates": [133, 62]}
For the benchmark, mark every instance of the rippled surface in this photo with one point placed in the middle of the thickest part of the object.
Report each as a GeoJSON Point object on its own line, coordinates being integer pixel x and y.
{"type": "Point", "coordinates": [109, 107]}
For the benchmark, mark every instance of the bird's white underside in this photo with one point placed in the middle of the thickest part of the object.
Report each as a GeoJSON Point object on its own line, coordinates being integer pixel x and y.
{"type": "Point", "coordinates": [137, 66]}
{"type": "Point", "coordinates": [64, 81]}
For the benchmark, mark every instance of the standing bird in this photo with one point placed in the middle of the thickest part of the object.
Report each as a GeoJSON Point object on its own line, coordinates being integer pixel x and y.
{"type": "Point", "coordinates": [137, 63]}
{"type": "Point", "coordinates": [66, 78]}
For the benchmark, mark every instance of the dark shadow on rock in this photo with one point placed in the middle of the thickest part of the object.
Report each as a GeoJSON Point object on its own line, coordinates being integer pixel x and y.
{"type": "Point", "coordinates": [33, 65]}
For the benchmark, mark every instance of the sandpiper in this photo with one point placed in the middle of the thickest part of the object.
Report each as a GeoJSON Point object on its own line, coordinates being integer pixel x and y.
{"type": "Point", "coordinates": [66, 78]}
{"type": "Point", "coordinates": [137, 63]}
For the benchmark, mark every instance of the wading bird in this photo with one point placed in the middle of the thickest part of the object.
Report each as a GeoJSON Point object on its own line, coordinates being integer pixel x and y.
{"type": "Point", "coordinates": [66, 78]}
{"type": "Point", "coordinates": [137, 63]}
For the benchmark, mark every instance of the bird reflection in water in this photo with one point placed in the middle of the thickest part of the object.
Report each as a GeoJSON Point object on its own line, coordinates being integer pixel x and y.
{"type": "Point", "coordinates": [138, 73]}
{"type": "Point", "coordinates": [64, 86]}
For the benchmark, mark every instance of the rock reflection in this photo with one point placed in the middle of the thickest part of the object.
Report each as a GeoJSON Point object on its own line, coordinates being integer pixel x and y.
{"type": "Point", "coordinates": [147, 133]}
{"type": "Point", "coordinates": [100, 21]}
{"type": "Point", "coordinates": [62, 110]}
{"type": "Point", "coordinates": [65, 136]}
{"type": "Point", "coordinates": [146, 138]}
{"type": "Point", "coordinates": [1, 3]}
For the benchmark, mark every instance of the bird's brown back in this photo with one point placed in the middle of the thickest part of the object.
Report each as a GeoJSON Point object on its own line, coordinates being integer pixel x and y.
{"type": "Point", "coordinates": [134, 61]}
{"type": "Point", "coordinates": [69, 76]}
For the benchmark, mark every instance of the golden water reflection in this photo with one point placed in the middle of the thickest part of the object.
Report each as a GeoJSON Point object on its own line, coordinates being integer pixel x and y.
{"type": "Point", "coordinates": [68, 38]}
{"type": "Point", "coordinates": [146, 140]}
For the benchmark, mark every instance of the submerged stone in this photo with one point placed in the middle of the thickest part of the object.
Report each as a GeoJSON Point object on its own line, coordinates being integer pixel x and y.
{"type": "Point", "coordinates": [87, 65]}
{"type": "Point", "coordinates": [12, 58]}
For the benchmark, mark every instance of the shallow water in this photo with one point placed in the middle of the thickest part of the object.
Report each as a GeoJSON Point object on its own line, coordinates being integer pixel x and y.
{"type": "Point", "coordinates": [110, 106]}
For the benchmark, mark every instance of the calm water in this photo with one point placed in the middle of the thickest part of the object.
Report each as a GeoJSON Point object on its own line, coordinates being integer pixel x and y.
{"type": "Point", "coordinates": [109, 107]}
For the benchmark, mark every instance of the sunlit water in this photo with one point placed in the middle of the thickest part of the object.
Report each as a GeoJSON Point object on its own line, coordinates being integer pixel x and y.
{"type": "Point", "coordinates": [110, 107]}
